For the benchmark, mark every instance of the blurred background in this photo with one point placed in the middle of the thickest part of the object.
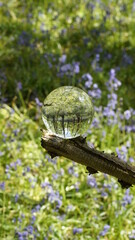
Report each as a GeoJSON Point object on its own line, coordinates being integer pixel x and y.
{"type": "Point", "coordinates": [44, 45]}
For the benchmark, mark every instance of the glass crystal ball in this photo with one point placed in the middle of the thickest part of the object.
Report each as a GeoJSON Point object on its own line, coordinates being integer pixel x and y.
{"type": "Point", "coordinates": [67, 112]}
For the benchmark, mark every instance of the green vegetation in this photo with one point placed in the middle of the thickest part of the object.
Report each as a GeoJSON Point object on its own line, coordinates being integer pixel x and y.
{"type": "Point", "coordinates": [44, 45]}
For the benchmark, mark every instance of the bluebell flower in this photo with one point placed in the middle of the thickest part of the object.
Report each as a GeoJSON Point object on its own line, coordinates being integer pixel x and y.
{"type": "Point", "coordinates": [38, 102]}
{"type": "Point", "coordinates": [19, 220]}
{"type": "Point", "coordinates": [19, 86]}
{"type": "Point", "coordinates": [108, 112]}
{"type": "Point", "coordinates": [122, 153]}
{"type": "Point", "coordinates": [24, 39]}
{"type": "Point", "coordinates": [70, 207]}
{"type": "Point", "coordinates": [95, 93]}
{"type": "Point", "coordinates": [107, 186]}
{"type": "Point", "coordinates": [131, 159]}
{"type": "Point", "coordinates": [76, 67]}
{"type": "Point", "coordinates": [63, 58]}
{"type": "Point", "coordinates": [91, 181]}
{"type": "Point", "coordinates": [55, 176]}
{"type": "Point", "coordinates": [18, 162]}
{"type": "Point", "coordinates": [95, 123]}
{"type": "Point", "coordinates": [87, 77]}
{"type": "Point", "coordinates": [28, 169]}
{"type": "Point", "coordinates": [36, 208]}
{"type": "Point", "coordinates": [113, 83]}
{"type": "Point", "coordinates": [104, 193]}
{"type": "Point", "coordinates": [14, 220]}
{"type": "Point", "coordinates": [77, 230]}
{"type": "Point", "coordinates": [42, 27]}
{"type": "Point", "coordinates": [133, 7]}
{"type": "Point", "coordinates": [104, 231]}
{"type": "Point", "coordinates": [88, 84]}
{"type": "Point", "coordinates": [95, 63]}
{"type": "Point", "coordinates": [2, 186]}
{"type": "Point", "coordinates": [1, 153]}
{"type": "Point", "coordinates": [54, 197]}
{"type": "Point", "coordinates": [103, 133]}
{"type": "Point", "coordinates": [67, 67]}
{"type": "Point", "coordinates": [127, 199]}
{"type": "Point", "coordinates": [71, 170]}
{"type": "Point", "coordinates": [76, 185]}
{"type": "Point", "coordinates": [132, 235]}
{"type": "Point", "coordinates": [16, 131]}
{"type": "Point", "coordinates": [16, 197]}
{"type": "Point", "coordinates": [127, 114]}
{"type": "Point", "coordinates": [33, 219]}
{"type": "Point", "coordinates": [45, 184]}
{"type": "Point", "coordinates": [30, 229]}
{"type": "Point", "coordinates": [124, 149]}
{"type": "Point", "coordinates": [126, 59]}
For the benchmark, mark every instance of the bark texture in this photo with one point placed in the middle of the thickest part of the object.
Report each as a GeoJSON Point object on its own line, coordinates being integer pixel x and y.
{"type": "Point", "coordinates": [78, 151]}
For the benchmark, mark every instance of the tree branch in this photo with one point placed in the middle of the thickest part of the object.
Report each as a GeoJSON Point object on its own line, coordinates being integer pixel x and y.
{"type": "Point", "coordinates": [77, 150]}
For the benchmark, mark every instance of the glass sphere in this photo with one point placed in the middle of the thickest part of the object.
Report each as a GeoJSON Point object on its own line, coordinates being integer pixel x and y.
{"type": "Point", "coordinates": [67, 112]}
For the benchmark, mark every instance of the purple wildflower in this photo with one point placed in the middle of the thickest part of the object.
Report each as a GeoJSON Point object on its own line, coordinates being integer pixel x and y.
{"type": "Point", "coordinates": [127, 114]}
{"type": "Point", "coordinates": [107, 112]}
{"type": "Point", "coordinates": [55, 176]}
{"type": "Point", "coordinates": [24, 39]}
{"type": "Point", "coordinates": [87, 77]}
{"type": "Point", "coordinates": [95, 123]}
{"type": "Point", "coordinates": [16, 197]}
{"type": "Point", "coordinates": [132, 235]}
{"type": "Point", "coordinates": [76, 185]}
{"type": "Point", "coordinates": [91, 181]}
{"type": "Point", "coordinates": [1, 153]}
{"type": "Point", "coordinates": [95, 63]}
{"type": "Point", "coordinates": [126, 59]}
{"type": "Point", "coordinates": [131, 160]}
{"type": "Point", "coordinates": [45, 184]}
{"type": "Point", "coordinates": [88, 84]}
{"type": "Point", "coordinates": [2, 186]}
{"type": "Point", "coordinates": [19, 86]}
{"type": "Point", "coordinates": [38, 102]}
{"type": "Point", "coordinates": [63, 58]}
{"type": "Point", "coordinates": [36, 209]}
{"type": "Point", "coordinates": [133, 7]}
{"type": "Point", "coordinates": [113, 83]}
{"type": "Point", "coordinates": [33, 219]}
{"type": "Point", "coordinates": [95, 93]}
{"type": "Point", "coordinates": [127, 199]}
{"type": "Point", "coordinates": [67, 67]}
{"type": "Point", "coordinates": [122, 153]}
{"type": "Point", "coordinates": [104, 193]}
{"type": "Point", "coordinates": [105, 230]}
{"type": "Point", "coordinates": [77, 230]}
{"type": "Point", "coordinates": [76, 68]}
{"type": "Point", "coordinates": [71, 170]}
{"type": "Point", "coordinates": [70, 208]}
{"type": "Point", "coordinates": [54, 197]}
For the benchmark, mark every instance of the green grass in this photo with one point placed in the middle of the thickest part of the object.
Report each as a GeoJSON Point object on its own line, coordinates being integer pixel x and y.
{"type": "Point", "coordinates": [46, 198]}
{"type": "Point", "coordinates": [29, 30]}
{"type": "Point", "coordinates": [91, 207]}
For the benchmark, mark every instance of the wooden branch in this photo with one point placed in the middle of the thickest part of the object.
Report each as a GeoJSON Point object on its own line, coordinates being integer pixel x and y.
{"type": "Point", "coordinates": [77, 150]}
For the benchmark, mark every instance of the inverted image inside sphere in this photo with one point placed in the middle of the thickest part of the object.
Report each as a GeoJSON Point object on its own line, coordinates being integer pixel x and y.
{"type": "Point", "coordinates": [67, 112]}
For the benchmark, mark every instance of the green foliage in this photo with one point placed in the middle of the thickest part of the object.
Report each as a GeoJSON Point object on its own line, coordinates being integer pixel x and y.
{"type": "Point", "coordinates": [35, 34]}
{"type": "Point", "coordinates": [44, 198]}
{"type": "Point", "coordinates": [31, 176]}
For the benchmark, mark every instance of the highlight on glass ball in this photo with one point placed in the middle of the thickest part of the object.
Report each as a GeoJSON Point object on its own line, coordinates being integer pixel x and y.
{"type": "Point", "coordinates": [67, 112]}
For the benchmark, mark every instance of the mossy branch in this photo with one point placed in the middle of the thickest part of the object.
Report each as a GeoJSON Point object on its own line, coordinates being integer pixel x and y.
{"type": "Point", "coordinates": [78, 151]}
